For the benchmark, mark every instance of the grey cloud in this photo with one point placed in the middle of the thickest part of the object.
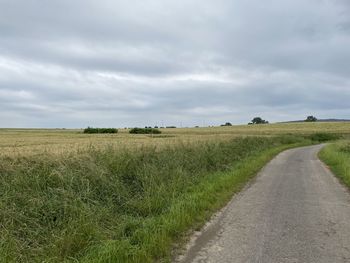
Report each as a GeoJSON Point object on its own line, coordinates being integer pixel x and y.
{"type": "Point", "coordinates": [130, 63]}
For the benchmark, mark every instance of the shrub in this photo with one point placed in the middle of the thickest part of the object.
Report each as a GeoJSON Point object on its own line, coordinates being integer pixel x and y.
{"type": "Point", "coordinates": [323, 137]}
{"type": "Point", "coordinates": [226, 124]}
{"type": "Point", "coordinates": [100, 130]}
{"type": "Point", "coordinates": [311, 119]}
{"type": "Point", "coordinates": [258, 120]}
{"type": "Point", "coordinates": [345, 148]}
{"type": "Point", "coordinates": [144, 131]}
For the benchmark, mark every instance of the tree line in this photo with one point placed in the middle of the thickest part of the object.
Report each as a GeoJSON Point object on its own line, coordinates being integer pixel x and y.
{"type": "Point", "coordinates": [155, 130]}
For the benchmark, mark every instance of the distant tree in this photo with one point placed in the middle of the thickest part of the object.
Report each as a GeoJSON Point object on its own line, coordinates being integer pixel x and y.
{"type": "Point", "coordinates": [227, 124]}
{"type": "Point", "coordinates": [100, 130]}
{"type": "Point", "coordinates": [144, 131]}
{"type": "Point", "coordinates": [311, 119]}
{"type": "Point", "coordinates": [258, 120]}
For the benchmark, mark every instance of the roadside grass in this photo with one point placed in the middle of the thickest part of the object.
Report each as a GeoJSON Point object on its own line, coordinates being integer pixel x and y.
{"type": "Point", "coordinates": [337, 157]}
{"type": "Point", "coordinates": [324, 137]}
{"type": "Point", "coordinates": [157, 236]}
{"type": "Point", "coordinates": [113, 205]}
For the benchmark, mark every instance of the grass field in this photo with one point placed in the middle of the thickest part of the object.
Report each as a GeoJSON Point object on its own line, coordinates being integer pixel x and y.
{"type": "Point", "coordinates": [73, 197]}
{"type": "Point", "coordinates": [337, 157]}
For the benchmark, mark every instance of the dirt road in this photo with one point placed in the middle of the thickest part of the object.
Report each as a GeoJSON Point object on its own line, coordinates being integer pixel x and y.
{"type": "Point", "coordinates": [295, 211]}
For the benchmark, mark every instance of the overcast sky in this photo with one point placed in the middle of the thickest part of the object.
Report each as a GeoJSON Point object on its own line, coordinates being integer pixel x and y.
{"type": "Point", "coordinates": [114, 63]}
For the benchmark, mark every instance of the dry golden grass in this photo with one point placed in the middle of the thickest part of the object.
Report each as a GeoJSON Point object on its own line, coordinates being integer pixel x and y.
{"type": "Point", "coordinates": [59, 141]}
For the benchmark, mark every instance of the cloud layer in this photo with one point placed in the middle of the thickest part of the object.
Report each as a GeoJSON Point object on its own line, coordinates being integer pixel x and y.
{"type": "Point", "coordinates": [134, 63]}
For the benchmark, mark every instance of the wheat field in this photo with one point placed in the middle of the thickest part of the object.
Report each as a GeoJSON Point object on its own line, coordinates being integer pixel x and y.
{"type": "Point", "coordinates": [61, 141]}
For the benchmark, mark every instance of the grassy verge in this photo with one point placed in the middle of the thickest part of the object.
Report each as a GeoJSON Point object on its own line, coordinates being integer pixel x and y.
{"type": "Point", "coordinates": [121, 206]}
{"type": "Point", "coordinates": [337, 157]}
{"type": "Point", "coordinates": [154, 240]}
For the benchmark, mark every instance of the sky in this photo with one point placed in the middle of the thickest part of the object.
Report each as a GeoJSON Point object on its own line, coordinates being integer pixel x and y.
{"type": "Point", "coordinates": [116, 63]}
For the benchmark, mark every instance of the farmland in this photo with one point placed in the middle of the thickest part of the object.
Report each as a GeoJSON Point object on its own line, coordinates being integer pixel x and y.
{"type": "Point", "coordinates": [59, 141]}
{"type": "Point", "coordinates": [74, 197]}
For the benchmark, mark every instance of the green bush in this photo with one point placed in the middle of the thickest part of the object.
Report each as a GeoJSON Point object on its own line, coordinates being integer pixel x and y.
{"type": "Point", "coordinates": [310, 119]}
{"type": "Point", "coordinates": [345, 148]}
{"type": "Point", "coordinates": [258, 120]}
{"type": "Point", "coordinates": [324, 137]}
{"type": "Point", "coordinates": [226, 124]}
{"type": "Point", "coordinates": [145, 131]}
{"type": "Point", "coordinates": [100, 130]}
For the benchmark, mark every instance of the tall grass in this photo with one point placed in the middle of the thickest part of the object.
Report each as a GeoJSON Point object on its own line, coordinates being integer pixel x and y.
{"type": "Point", "coordinates": [337, 157]}
{"type": "Point", "coordinates": [108, 205]}
{"type": "Point", "coordinates": [324, 137]}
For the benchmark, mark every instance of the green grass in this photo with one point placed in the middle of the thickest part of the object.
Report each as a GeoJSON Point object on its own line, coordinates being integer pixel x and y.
{"type": "Point", "coordinates": [337, 157]}
{"type": "Point", "coordinates": [154, 240]}
{"type": "Point", "coordinates": [112, 205]}
{"type": "Point", "coordinates": [324, 137]}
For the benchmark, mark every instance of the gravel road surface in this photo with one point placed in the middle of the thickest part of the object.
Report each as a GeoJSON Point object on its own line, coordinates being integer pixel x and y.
{"type": "Point", "coordinates": [294, 211]}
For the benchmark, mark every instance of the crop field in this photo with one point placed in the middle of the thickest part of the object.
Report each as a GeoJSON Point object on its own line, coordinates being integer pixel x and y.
{"type": "Point", "coordinates": [66, 196]}
{"type": "Point", "coordinates": [60, 141]}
